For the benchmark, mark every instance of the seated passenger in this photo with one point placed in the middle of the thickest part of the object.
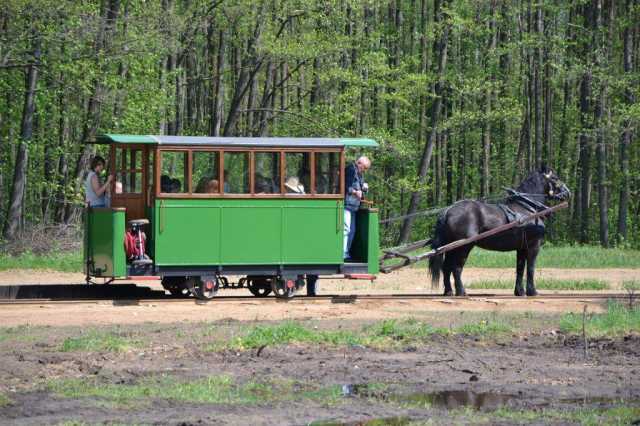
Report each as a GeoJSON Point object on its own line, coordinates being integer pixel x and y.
{"type": "Point", "coordinates": [264, 185]}
{"type": "Point", "coordinates": [165, 183]}
{"type": "Point", "coordinates": [207, 185]}
{"type": "Point", "coordinates": [175, 185]}
{"type": "Point", "coordinates": [293, 186]}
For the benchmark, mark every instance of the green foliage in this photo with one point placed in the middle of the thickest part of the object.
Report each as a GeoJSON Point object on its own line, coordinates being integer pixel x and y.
{"type": "Point", "coordinates": [339, 69]}
{"type": "Point", "coordinates": [616, 321]}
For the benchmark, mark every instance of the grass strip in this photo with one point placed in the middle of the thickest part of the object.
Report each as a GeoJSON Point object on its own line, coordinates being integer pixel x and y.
{"type": "Point", "coordinates": [618, 320]}
{"type": "Point", "coordinates": [383, 334]}
{"type": "Point", "coordinates": [545, 284]}
{"type": "Point", "coordinates": [55, 261]}
{"type": "Point", "coordinates": [567, 257]}
{"type": "Point", "coordinates": [95, 341]}
{"type": "Point", "coordinates": [618, 415]}
{"type": "Point", "coordinates": [20, 332]}
{"type": "Point", "coordinates": [4, 400]}
{"type": "Point", "coordinates": [209, 390]}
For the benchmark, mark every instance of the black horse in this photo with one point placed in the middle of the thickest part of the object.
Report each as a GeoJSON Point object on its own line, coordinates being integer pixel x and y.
{"type": "Point", "coordinates": [468, 218]}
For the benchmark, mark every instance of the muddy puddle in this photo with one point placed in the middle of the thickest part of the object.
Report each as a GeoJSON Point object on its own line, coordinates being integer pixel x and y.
{"type": "Point", "coordinates": [386, 421]}
{"type": "Point", "coordinates": [448, 399]}
{"type": "Point", "coordinates": [452, 400]}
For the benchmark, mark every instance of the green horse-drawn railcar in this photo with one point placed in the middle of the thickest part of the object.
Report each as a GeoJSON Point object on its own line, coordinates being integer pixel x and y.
{"type": "Point", "coordinates": [267, 209]}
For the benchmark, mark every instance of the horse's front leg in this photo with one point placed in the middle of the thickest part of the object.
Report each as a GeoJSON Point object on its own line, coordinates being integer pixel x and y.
{"type": "Point", "coordinates": [532, 254]}
{"type": "Point", "coordinates": [457, 265]}
{"type": "Point", "coordinates": [457, 276]}
{"type": "Point", "coordinates": [446, 272]}
{"type": "Point", "coordinates": [522, 260]}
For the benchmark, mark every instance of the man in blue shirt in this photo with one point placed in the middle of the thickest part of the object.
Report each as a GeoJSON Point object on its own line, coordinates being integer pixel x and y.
{"type": "Point", "coordinates": [355, 187]}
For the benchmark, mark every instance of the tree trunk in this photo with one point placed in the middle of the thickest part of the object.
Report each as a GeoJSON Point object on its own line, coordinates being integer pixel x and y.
{"type": "Point", "coordinates": [246, 75]}
{"type": "Point", "coordinates": [15, 212]}
{"type": "Point", "coordinates": [92, 117]}
{"type": "Point", "coordinates": [585, 144]}
{"type": "Point", "coordinates": [537, 95]}
{"type": "Point", "coordinates": [625, 137]}
{"type": "Point", "coordinates": [435, 121]}
{"type": "Point", "coordinates": [218, 88]}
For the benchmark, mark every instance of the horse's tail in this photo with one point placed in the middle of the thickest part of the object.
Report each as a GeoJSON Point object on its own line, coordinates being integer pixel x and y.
{"type": "Point", "coordinates": [439, 239]}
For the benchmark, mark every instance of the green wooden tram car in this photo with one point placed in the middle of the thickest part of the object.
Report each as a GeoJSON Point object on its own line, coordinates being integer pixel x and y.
{"type": "Point", "coordinates": [267, 209]}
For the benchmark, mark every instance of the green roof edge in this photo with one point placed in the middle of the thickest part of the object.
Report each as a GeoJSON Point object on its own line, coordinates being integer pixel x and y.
{"type": "Point", "coordinates": [358, 142]}
{"type": "Point", "coordinates": [110, 137]}
{"type": "Point", "coordinates": [149, 139]}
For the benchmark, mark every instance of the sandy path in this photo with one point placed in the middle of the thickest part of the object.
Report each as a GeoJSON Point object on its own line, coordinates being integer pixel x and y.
{"type": "Point", "coordinates": [105, 313]}
{"type": "Point", "coordinates": [406, 281]}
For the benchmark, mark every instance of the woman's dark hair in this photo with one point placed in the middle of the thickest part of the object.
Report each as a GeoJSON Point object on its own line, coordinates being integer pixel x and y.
{"type": "Point", "coordinates": [97, 160]}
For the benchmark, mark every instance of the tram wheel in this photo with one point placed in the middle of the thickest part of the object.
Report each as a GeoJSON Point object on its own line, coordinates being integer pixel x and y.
{"type": "Point", "coordinates": [203, 288]}
{"type": "Point", "coordinates": [176, 286]}
{"type": "Point", "coordinates": [259, 287]}
{"type": "Point", "coordinates": [283, 288]}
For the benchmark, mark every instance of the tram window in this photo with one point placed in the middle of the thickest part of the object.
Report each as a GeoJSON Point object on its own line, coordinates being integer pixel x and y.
{"type": "Point", "coordinates": [204, 175]}
{"type": "Point", "coordinates": [327, 172]}
{"type": "Point", "coordinates": [267, 173]}
{"type": "Point", "coordinates": [298, 172]}
{"type": "Point", "coordinates": [128, 171]}
{"type": "Point", "coordinates": [173, 172]}
{"type": "Point", "coordinates": [236, 173]}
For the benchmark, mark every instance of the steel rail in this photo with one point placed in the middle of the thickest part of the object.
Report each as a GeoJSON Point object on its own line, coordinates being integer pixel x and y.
{"type": "Point", "coordinates": [334, 298]}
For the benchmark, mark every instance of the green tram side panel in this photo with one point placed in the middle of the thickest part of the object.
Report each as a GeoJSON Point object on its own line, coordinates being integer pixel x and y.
{"type": "Point", "coordinates": [104, 243]}
{"type": "Point", "coordinates": [201, 232]}
{"type": "Point", "coordinates": [366, 244]}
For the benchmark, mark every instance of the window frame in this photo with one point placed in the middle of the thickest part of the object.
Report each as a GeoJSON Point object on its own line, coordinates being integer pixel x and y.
{"type": "Point", "coordinates": [114, 169]}
{"type": "Point", "coordinates": [192, 194]}
{"type": "Point", "coordinates": [158, 168]}
{"type": "Point", "coordinates": [189, 194]}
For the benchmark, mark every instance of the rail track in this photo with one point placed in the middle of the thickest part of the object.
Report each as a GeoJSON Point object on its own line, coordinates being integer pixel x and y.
{"type": "Point", "coordinates": [331, 298]}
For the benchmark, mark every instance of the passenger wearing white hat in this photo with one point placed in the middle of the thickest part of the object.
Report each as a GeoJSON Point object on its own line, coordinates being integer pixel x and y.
{"type": "Point", "coordinates": [294, 186]}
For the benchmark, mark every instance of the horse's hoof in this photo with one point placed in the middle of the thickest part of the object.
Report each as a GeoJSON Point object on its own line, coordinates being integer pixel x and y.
{"type": "Point", "coordinates": [532, 292]}
{"type": "Point", "coordinates": [448, 293]}
{"type": "Point", "coordinates": [519, 292]}
{"type": "Point", "coordinates": [461, 294]}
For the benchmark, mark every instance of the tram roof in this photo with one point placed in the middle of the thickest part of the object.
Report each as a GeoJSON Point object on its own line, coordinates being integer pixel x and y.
{"type": "Point", "coordinates": [235, 141]}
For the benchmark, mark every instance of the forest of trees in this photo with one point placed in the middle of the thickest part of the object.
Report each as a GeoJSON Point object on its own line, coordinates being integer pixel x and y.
{"type": "Point", "coordinates": [465, 97]}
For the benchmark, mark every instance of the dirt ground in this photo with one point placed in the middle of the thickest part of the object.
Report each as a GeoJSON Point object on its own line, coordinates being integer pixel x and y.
{"type": "Point", "coordinates": [529, 371]}
{"type": "Point", "coordinates": [532, 374]}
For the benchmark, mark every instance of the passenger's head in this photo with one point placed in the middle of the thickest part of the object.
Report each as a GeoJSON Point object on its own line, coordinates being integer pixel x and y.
{"type": "Point", "coordinates": [175, 185]}
{"type": "Point", "coordinates": [363, 164]}
{"type": "Point", "coordinates": [97, 164]}
{"type": "Point", "coordinates": [165, 183]}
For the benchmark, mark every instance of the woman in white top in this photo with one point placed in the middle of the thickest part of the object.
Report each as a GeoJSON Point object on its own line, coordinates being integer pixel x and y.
{"type": "Point", "coordinates": [95, 192]}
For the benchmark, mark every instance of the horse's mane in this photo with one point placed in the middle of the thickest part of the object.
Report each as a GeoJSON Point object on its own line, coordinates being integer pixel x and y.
{"type": "Point", "coordinates": [533, 184]}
